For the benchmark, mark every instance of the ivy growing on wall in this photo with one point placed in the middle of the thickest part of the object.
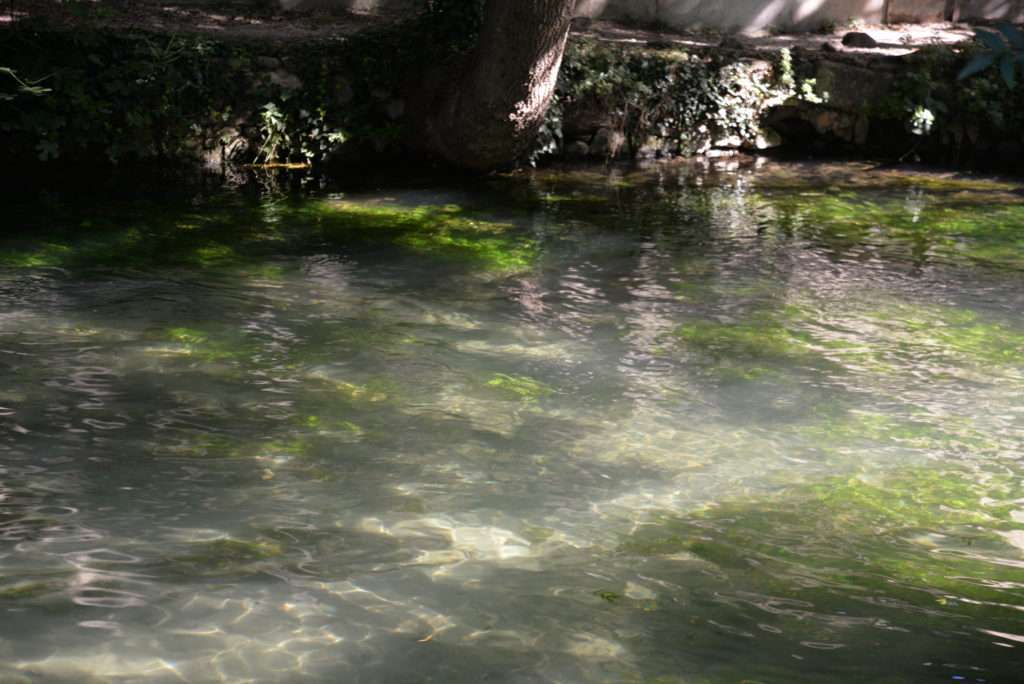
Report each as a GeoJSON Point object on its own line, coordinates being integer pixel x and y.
{"type": "Point", "coordinates": [680, 102]}
{"type": "Point", "coordinates": [954, 117]}
{"type": "Point", "coordinates": [92, 94]}
{"type": "Point", "coordinates": [137, 96]}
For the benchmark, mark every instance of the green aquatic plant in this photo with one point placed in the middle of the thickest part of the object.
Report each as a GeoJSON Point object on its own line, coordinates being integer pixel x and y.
{"type": "Point", "coordinates": [186, 336]}
{"type": "Point", "coordinates": [297, 453]}
{"type": "Point", "coordinates": [240, 237]}
{"type": "Point", "coordinates": [295, 446]}
{"type": "Point", "coordinates": [322, 424]}
{"type": "Point", "coordinates": [28, 590]}
{"type": "Point", "coordinates": [954, 332]}
{"type": "Point", "coordinates": [117, 247]}
{"type": "Point", "coordinates": [769, 331]}
{"type": "Point", "coordinates": [923, 499]}
{"type": "Point", "coordinates": [373, 391]}
{"type": "Point", "coordinates": [917, 533]}
{"type": "Point", "coordinates": [213, 255]}
{"type": "Point", "coordinates": [440, 230]}
{"type": "Point", "coordinates": [875, 336]}
{"type": "Point", "coordinates": [946, 227]}
{"type": "Point", "coordinates": [519, 387]}
{"type": "Point", "coordinates": [860, 427]}
{"type": "Point", "coordinates": [608, 596]}
{"type": "Point", "coordinates": [199, 345]}
{"type": "Point", "coordinates": [765, 339]}
{"type": "Point", "coordinates": [44, 255]}
{"type": "Point", "coordinates": [200, 445]}
{"type": "Point", "coordinates": [536, 535]}
{"type": "Point", "coordinates": [227, 556]}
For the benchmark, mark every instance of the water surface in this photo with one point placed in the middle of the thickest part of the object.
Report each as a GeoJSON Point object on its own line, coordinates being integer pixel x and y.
{"type": "Point", "coordinates": [666, 425]}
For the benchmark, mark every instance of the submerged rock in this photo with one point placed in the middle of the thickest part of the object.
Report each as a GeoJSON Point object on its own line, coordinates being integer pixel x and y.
{"type": "Point", "coordinates": [577, 150]}
{"type": "Point", "coordinates": [607, 143]}
{"type": "Point", "coordinates": [285, 80]}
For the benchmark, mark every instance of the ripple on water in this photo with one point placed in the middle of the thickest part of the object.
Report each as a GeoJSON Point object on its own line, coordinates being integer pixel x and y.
{"type": "Point", "coordinates": [739, 426]}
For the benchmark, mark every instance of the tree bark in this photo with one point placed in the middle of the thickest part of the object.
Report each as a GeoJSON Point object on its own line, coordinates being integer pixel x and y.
{"type": "Point", "coordinates": [488, 112]}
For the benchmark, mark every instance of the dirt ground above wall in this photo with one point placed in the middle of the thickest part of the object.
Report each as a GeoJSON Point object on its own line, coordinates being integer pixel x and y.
{"type": "Point", "coordinates": [223, 21]}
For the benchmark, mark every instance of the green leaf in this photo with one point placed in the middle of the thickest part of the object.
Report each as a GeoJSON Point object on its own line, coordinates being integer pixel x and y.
{"type": "Point", "coordinates": [1008, 68]}
{"type": "Point", "coordinates": [990, 40]}
{"type": "Point", "coordinates": [1014, 35]}
{"type": "Point", "coordinates": [977, 65]}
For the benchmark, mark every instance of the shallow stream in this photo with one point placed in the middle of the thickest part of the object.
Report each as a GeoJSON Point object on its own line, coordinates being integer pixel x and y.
{"type": "Point", "coordinates": [672, 425]}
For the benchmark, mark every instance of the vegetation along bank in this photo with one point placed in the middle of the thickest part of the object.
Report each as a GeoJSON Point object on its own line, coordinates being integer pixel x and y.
{"type": "Point", "coordinates": [91, 95]}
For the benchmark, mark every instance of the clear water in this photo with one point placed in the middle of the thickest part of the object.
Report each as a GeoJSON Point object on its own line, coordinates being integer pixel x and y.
{"type": "Point", "coordinates": [673, 425]}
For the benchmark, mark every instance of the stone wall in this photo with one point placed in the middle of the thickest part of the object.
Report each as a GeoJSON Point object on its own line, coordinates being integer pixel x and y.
{"type": "Point", "coordinates": [361, 6]}
{"type": "Point", "coordinates": [225, 104]}
{"type": "Point", "coordinates": [727, 15]}
{"type": "Point", "coordinates": [835, 104]}
{"type": "Point", "coordinates": [1008, 10]}
{"type": "Point", "coordinates": [794, 15]}
{"type": "Point", "coordinates": [736, 15]}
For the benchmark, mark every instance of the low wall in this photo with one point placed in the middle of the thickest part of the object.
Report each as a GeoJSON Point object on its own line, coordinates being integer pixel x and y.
{"type": "Point", "coordinates": [725, 15]}
{"type": "Point", "coordinates": [736, 15]}
{"type": "Point", "coordinates": [221, 105]}
{"type": "Point", "coordinates": [1007, 10]}
{"type": "Point", "coordinates": [794, 15]}
{"type": "Point", "coordinates": [362, 6]}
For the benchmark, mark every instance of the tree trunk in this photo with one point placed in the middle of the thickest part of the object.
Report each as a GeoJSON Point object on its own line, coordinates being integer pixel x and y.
{"type": "Point", "coordinates": [488, 114]}
{"type": "Point", "coordinates": [952, 10]}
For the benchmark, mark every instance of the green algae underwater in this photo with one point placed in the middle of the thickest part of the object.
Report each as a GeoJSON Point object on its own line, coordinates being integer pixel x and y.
{"type": "Point", "coordinates": [671, 424]}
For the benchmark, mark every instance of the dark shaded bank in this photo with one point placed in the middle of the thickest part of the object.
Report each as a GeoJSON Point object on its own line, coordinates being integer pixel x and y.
{"type": "Point", "coordinates": [103, 97]}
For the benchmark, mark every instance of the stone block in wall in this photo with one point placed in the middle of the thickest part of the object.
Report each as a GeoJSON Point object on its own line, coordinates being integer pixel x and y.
{"type": "Point", "coordinates": [636, 11]}
{"type": "Point", "coordinates": [851, 86]}
{"type": "Point", "coordinates": [917, 11]}
{"type": "Point", "coordinates": [607, 143]}
{"type": "Point", "coordinates": [578, 149]}
{"type": "Point", "coordinates": [588, 116]}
